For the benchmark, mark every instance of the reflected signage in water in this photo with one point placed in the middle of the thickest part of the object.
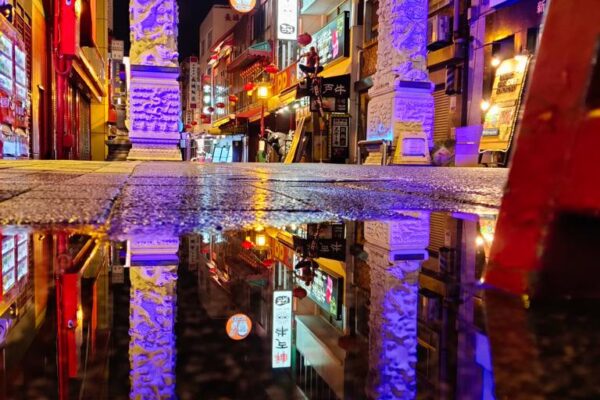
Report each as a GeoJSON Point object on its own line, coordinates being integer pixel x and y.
{"type": "Point", "coordinates": [282, 329]}
{"type": "Point", "coordinates": [326, 291]}
{"type": "Point", "coordinates": [239, 327]}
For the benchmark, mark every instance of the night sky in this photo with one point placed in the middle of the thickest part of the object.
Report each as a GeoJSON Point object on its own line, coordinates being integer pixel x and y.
{"type": "Point", "coordinates": [191, 14]}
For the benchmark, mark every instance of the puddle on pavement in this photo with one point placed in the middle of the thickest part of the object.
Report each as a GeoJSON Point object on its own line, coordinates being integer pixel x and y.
{"type": "Point", "coordinates": [340, 310]}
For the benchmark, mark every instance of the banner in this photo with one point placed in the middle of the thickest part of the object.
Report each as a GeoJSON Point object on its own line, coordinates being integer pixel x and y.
{"type": "Point", "coordinates": [282, 329]}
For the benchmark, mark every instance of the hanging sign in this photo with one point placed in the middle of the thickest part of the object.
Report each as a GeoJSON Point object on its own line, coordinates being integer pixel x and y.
{"type": "Point", "coordinates": [326, 291]}
{"type": "Point", "coordinates": [287, 19]}
{"type": "Point", "coordinates": [239, 327]}
{"type": "Point", "coordinates": [340, 128]}
{"type": "Point", "coordinates": [243, 6]}
{"type": "Point", "coordinates": [282, 329]}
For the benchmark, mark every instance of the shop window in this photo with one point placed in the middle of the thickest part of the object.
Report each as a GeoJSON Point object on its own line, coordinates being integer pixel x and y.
{"type": "Point", "coordinates": [371, 20]}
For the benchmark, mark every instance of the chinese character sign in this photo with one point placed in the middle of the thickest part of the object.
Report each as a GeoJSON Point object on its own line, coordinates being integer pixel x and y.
{"type": "Point", "coordinates": [282, 329]}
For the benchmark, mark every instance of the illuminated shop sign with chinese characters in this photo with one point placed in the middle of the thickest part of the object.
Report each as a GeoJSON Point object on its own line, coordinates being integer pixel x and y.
{"type": "Point", "coordinates": [282, 329]}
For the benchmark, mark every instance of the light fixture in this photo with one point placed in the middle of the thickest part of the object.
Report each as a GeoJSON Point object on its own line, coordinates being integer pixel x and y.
{"type": "Point", "coordinates": [496, 62]}
{"type": "Point", "coordinates": [479, 241]}
{"type": "Point", "coordinates": [263, 92]}
{"type": "Point", "coordinates": [261, 240]}
{"type": "Point", "coordinates": [485, 105]}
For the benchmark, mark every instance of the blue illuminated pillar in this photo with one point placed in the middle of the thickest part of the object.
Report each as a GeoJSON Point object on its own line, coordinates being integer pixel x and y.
{"type": "Point", "coordinates": [154, 103]}
{"type": "Point", "coordinates": [396, 250]}
{"type": "Point", "coordinates": [401, 89]}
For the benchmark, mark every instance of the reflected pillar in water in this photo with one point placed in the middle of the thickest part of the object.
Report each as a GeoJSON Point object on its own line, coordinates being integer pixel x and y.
{"type": "Point", "coordinates": [396, 250]}
{"type": "Point", "coordinates": [151, 325]}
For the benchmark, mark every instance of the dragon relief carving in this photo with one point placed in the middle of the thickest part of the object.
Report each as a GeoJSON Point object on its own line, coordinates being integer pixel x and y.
{"type": "Point", "coordinates": [154, 32]}
{"type": "Point", "coordinates": [402, 52]}
{"type": "Point", "coordinates": [152, 350]}
{"type": "Point", "coordinates": [155, 109]}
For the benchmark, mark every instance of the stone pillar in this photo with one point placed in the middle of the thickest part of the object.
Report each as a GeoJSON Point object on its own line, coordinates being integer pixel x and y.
{"type": "Point", "coordinates": [154, 94]}
{"type": "Point", "coordinates": [401, 89]}
{"type": "Point", "coordinates": [152, 315]}
{"type": "Point", "coordinates": [396, 250]}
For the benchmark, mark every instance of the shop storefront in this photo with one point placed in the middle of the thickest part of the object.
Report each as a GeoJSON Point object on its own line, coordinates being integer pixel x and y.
{"type": "Point", "coordinates": [218, 148]}
{"type": "Point", "coordinates": [14, 93]}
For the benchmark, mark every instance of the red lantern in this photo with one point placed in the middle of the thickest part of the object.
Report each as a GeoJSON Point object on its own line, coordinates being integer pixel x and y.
{"type": "Point", "coordinates": [271, 69]}
{"type": "Point", "coordinates": [247, 245]}
{"type": "Point", "coordinates": [188, 127]}
{"type": "Point", "coordinates": [248, 87]}
{"type": "Point", "coordinates": [210, 110]}
{"type": "Point", "coordinates": [300, 293]}
{"type": "Point", "coordinates": [268, 263]}
{"type": "Point", "coordinates": [305, 39]}
{"type": "Point", "coordinates": [194, 123]}
{"type": "Point", "coordinates": [233, 98]}
{"type": "Point", "coordinates": [220, 105]}
{"type": "Point", "coordinates": [348, 342]}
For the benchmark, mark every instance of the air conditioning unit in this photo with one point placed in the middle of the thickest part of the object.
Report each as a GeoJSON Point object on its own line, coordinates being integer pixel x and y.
{"type": "Point", "coordinates": [439, 32]}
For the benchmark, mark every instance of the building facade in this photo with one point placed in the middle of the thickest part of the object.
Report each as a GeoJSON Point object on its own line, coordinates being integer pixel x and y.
{"type": "Point", "coordinates": [70, 81]}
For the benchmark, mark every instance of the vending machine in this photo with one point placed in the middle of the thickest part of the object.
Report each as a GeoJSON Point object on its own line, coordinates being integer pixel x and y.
{"type": "Point", "coordinates": [14, 94]}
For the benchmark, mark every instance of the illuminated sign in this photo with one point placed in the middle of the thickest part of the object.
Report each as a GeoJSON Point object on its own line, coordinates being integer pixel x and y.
{"type": "Point", "coordinates": [282, 329]}
{"type": "Point", "coordinates": [287, 19]}
{"type": "Point", "coordinates": [243, 6]}
{"type": "Point", "coordinates": [239, 327]}
{"type": "Point", "coordinates": [326, 291]}
{"type": "Point", "coordinates": [501, 118]}
{"type": "Point", "coordinates": [332, 41]}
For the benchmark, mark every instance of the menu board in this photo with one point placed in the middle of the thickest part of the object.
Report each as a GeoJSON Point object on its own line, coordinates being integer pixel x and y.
{"type": "Point", "coordinates": [501, 118]}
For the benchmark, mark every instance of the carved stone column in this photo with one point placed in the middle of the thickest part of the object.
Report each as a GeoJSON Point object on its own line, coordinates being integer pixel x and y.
{"type": "Point", "coordinates": [152, 315]}
{"type": "Point", "coordinates": [154, 93]}
{"type": "Point", "coordinates": [396, 250]}
{"type": "Point", "coordinates": [401, 89]}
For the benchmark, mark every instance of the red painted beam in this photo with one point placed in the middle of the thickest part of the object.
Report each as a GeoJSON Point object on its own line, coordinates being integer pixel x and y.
{"type": "Point", "coordinates": [555, 170]}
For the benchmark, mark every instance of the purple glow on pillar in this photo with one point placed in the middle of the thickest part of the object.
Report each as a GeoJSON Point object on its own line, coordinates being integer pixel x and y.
{"type": "Point", "coordinates": [152, 350]}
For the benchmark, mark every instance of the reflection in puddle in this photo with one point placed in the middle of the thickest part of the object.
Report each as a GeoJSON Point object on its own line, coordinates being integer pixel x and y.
{"type": "Point", "coordinates": [376, 310]}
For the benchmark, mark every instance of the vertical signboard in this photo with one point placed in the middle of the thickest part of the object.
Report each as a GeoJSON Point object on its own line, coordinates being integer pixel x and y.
{"type": "Point", "coordinates": [282, 329]}
{"type": "Point", "coordinates": [287, 19]}
{"type": "Point", "coordinates": [505, 102]}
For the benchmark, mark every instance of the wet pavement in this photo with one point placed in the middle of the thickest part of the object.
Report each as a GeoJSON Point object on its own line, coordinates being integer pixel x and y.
{"type": "Point", "coordinates": [165, 281]}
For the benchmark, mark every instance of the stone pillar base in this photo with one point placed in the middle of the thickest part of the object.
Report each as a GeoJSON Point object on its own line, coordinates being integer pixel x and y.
{"type": "Point", "coordinates": [403, 102]}
{"type": "Point", "coordinates": [154, 153]}
{"type": "Point", "coordinates": [154, 108]}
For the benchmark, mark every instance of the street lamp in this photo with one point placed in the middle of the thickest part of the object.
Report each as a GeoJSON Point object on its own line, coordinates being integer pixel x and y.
{"type": "Point", "coordinates": [262, 93]}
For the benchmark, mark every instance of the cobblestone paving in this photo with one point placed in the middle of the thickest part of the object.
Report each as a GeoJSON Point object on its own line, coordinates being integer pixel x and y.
{"type": "Point", "coordinates": [183, 196]}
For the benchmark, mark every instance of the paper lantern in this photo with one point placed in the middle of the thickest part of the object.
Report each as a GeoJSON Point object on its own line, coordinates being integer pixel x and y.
{"type": "Point", "coordinates": [220, 105]}
{"type": "Point", "coordinates": [271, 69]}
{"type": "Point", "coordinates": [300, 293]}
{"type": "Point", "coordinates": [304, 39]}
{"type": "Point", "coordinates": [194, 123]}
{"type": "Point", "coordinates": [210, 110]}
{"type": "Point", "coordinates": [247, 244]}
{"type": "Point", "coordinates": [248, 87]}
{"type": "Point", "coordinates": [233, 98]}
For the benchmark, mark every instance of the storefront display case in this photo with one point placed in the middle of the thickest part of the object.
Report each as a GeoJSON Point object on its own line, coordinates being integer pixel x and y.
{"type": "Point", "coordinates": [14, 93]}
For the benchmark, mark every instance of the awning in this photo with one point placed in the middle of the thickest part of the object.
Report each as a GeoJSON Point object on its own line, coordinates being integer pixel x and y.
{"type": "Point", "coordinates": [276, 102]}
{"type": "Point", "coordinates": [343, 67]}
{"type": "Point", "coordinates": [250, 55]}
{"type": "Point", "coordinates": [221, 122]}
